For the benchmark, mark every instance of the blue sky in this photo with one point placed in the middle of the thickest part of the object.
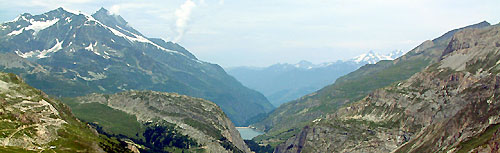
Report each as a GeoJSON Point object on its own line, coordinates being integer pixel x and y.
{"type": "Point", "coordinates": [264, 32]}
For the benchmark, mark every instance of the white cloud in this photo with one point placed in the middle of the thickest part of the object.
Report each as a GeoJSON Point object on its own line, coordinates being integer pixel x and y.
{"type": "Point", "coordinates": [115, 9]}
{"type": "Point", "coordinates": [202, 2]}
{"type": "Point", "coordinates": [132, 7]}
{"type": "Point", "coordinates": [183, 14]}
{"type": "Point", "coordinates": [53, 3]}
{"type": "Point", "coordinates": [331, 28]}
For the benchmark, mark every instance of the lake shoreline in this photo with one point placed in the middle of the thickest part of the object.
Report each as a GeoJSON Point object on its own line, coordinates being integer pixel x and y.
{"type": "Point", "coordinates": [247, 133]}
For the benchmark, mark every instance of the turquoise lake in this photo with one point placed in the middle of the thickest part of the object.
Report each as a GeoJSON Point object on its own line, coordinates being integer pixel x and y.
{"type": "Point", "coordinates": [248, 133]}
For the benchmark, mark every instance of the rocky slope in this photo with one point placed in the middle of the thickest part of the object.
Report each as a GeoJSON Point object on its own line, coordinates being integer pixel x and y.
{"type": "Point", "coordinates": [289, 118]}
{"type": "Point", "coordinates": [282, 83]}
{"type": "Point", "coordinates": [198, 119]}
{"type": "Point", "coordinates": [31, 121]}
{"type": "Point", "coordinates": [451, 106]}
{"type": "Point", "coordinates": [67, 53]}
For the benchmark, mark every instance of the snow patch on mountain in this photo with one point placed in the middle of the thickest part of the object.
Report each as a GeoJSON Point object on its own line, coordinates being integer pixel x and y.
{"type": "Point", "coordinates": [16, 32]}
{"type": "Point", "coordinates": [68, 20]}
{"type": "Point", "coordinates": [136, 38]}
{"type": "Point", "coordinates": [93, 76]}
{"type": "Point", "coordinates": [16, 19]}
{"type": "Point", "coordinates": [372, 58]}
{"type": "Point", "coordinates": [91, 48]}
{"type": "Point", "coordinates": [368, 58]}
{"type": "Point", "coordinates": [55, 48]}
{"type": "Point", "coordinates": [40, 25]}
{"type": "Point", "coordinates": [396, 54]}
{"type": "Point", "coordinates": [35, 26]}
{"type": "Point", "coordinates": [305, 65]}
{"type": "Point", "coordinates": [75, 12]}
{"type": "Point", "coordinates": [41, 54]}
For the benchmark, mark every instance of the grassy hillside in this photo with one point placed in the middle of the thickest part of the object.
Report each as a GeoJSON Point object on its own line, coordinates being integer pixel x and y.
{"type": "Point", "coordinates": [31, 121]}
{"type": "Point", "coordinates": [350, 88]}
{"type": "Point", "coordinates": [159, 122]}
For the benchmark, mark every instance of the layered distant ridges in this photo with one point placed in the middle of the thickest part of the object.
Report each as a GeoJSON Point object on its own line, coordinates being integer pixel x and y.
{"type": "Point", "coordinates": [285, 82]}
{"type": "Point", "coordinates": [353, 87]}
{"type": "Point", "coordinates": [368, 58]}
{"type": "Point", "coordinates": [80, 54]}
{"type": "Point", "coordinates": [451, 106]}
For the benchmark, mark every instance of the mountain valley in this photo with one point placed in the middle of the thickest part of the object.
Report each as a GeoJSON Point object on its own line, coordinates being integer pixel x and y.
{"type": "Point", "coordinates": [144, 115]}
{"type": "Point", "coordinates": [73, 82]}
{"type": "Point", "coordinates": [451, 106]}
{"type": "Point", "coordinates": [67, 53]}
{"type": "Point", "coordinates": [288, 119]}
{"type": "Point", "coordinates": [282, 83]}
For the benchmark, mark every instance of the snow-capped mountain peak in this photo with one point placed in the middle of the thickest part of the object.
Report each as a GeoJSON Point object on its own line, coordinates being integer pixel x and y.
{"type": "Point", "coordinates": [372, 57]}
{"type": "Point", "coordinates": [75, 12]}
{"type": "Point", "coordinates": [368, 58]}
{"type": "Point", "coordinates": [111, 27]}
{"type": "Point", "coordinates": [395, 54]}
{"type": "Point", "coordinates": [304, 64]}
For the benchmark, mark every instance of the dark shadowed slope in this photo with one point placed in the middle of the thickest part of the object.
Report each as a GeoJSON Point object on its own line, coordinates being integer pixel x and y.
{"type": "Point", "coordinates": [71, 54]}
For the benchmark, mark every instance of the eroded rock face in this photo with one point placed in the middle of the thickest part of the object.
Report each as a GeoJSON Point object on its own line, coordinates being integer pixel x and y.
{"type": "Point", "coordinates": [451, 106]}
{"type": "Point", "coordinates": [30, 120]}
{"type": "Point", "coordinates": [181, 110]}
{"type": "Point", "coordinates": [354, 87]}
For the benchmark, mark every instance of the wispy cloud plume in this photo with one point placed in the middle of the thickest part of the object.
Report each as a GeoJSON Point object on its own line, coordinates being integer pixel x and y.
{"type": "Point", "coordinates": [130, 7]}
{"type": "Point", "coordinates": [183, 14]}
{"type": "Point", "coordinates": [115, 9]}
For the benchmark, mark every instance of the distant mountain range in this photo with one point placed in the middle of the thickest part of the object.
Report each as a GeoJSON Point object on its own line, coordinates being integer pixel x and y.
{"type": "Point", "coordinates": [67, 53]}
{"type": "Point", "coordinates": [442, 96]}
{"type": "Point", "coordinates": [281, 83]}
{"type": "Point", "coordinates": [372, 58]}
{"type": "Point", "coordinates": [417, 102]}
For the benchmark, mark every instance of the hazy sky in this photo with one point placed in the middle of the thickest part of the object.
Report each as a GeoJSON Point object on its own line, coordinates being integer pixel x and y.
{"type": "Point", "coordinates": [264, 32]}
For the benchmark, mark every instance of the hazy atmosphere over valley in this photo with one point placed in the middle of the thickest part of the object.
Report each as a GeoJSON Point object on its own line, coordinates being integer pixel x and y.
{"type": "Point", "coordinates": [262, 33]}
{"type": "Point", "coordinates": [279, 76]}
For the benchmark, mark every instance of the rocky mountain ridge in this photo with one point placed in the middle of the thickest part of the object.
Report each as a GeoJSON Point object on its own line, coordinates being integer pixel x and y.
{"type": "Point", "coordinates": [199, 119]}
{"type": "Point", "coordinates": [67, 53]}
{"type": "Point", "coordinates": [451, 106]}
{"type": "Point", "coordinates": [285, 82]}
{"type": "Point", "coordinates": [31, 121]}
{"type": "Point", "coordinates": [289, 118]}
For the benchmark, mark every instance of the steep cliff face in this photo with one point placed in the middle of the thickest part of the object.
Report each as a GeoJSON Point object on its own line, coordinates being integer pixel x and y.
{"type": "Point", "coordinates": [451, 106]}
{"type": "Point", "coordinates": [31, 121]}
{"type": "Point", "coordinates": [353, 87]}
{"type": "Point", "coordinates": [200, 120]}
